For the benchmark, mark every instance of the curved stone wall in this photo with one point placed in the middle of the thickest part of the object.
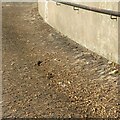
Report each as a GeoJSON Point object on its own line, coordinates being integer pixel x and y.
{"type": "Point", "coordinates": [95, 31]}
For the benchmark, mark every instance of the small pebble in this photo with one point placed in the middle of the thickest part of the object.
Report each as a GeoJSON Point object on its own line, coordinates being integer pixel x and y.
{"type": "Point", "coordinates": [39, 63]}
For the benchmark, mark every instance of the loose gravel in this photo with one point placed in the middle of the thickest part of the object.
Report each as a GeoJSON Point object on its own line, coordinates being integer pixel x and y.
{"type": "Point", "coordinates": [47, 75]}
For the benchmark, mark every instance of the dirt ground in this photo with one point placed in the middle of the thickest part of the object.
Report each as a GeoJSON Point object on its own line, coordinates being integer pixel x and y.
{"type": "Point", "coordinates": [47, 75]}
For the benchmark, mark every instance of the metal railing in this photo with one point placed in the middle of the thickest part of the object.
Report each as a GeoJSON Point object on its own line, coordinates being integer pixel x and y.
{"type": "Point", "coordinates": [98, 10]}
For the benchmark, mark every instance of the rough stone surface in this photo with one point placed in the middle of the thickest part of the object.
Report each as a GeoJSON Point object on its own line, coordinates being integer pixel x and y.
{"type": "Point", "coordinates": [45, 74]}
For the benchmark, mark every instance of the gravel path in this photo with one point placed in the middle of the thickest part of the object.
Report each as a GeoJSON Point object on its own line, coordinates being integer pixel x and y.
{"type": "Point", "coordinates": [45, 74]}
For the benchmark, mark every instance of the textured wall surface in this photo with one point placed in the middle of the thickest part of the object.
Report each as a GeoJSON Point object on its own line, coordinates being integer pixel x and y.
{"type": "Point", "coordinates": [97, 32]}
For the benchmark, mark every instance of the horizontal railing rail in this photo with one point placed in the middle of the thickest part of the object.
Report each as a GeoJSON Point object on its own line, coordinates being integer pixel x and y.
{"type": "Point", "coordinates": [94, 9]}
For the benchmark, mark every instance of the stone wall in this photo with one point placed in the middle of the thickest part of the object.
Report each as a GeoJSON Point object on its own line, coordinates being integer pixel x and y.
{"type": "Point", "coordinates": [95, 31]}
